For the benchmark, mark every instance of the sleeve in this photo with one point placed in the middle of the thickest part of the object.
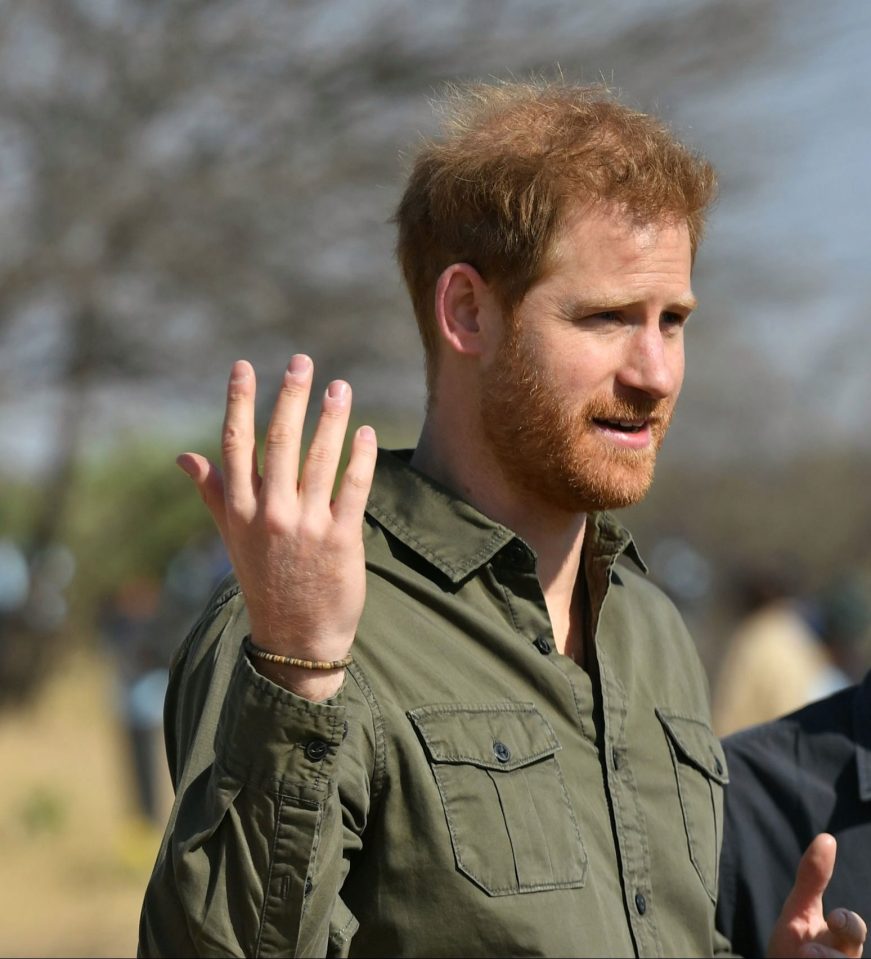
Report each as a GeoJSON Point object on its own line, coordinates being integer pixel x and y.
{"type": "Point", "coordinates": [256, 848]}
{"type": "Point", "coordinates": [757, 863]}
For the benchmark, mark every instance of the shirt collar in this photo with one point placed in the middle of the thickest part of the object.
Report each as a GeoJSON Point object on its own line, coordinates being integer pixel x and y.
{"type": "Point", "coordinates": [862, 735]}
{"type": "Point", "coordinates": [450, 533]}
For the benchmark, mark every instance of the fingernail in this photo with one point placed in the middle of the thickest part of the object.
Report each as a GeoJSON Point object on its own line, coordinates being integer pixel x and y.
{"type": "Point", "coordinates": [367, 434]}
{"type": "Point", "coordinates": [812, 951]}
{"type": "Point", "coordinates": [337, 390]}
{"type": "Point", "coordinates": [299, 364]}
{"type": "Point", "coordinates": [240, 371]}
{"type": "Point", "coordinates": [838, 920]}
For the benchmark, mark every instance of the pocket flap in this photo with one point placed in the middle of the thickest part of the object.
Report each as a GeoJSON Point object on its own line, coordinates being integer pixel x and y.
{"type": "Point", "coordinates": [497, 736]}
{"type": "Point", "coordinates": [698, 745]}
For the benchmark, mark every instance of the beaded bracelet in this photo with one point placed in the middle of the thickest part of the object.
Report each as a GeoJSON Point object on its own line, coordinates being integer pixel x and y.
{"type": "Point", "coordinates": [293, 661]}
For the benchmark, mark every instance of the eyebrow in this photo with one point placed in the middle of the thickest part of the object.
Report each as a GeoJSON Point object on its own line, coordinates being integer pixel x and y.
{"type": "Point", "coordinates": [607, 302]}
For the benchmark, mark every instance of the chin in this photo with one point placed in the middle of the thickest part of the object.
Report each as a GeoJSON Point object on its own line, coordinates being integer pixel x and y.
{"type": "Point", "coordinates": [609, 489]}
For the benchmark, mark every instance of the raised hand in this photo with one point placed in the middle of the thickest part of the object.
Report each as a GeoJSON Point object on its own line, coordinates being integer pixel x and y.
{"type": "Point", "coordinates": [801, 929]}
{"type": "Point", "coordinates": [298, 555]}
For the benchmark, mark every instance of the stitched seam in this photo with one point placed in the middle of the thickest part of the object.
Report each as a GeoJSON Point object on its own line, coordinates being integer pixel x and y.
{"type": "Point", "coordinates": [515, 622]}
{"type": "Point", "coordinates": [269, 875]}
{"type": "Point", "coordinates": [638, 867]}
{"type": "Point", "coordinates": [379, 773]}
{"type": "Point", "coordinates": [681, 770]}
{"type": "Point", "coordinates": [447, 709]}
{"type": "Point", "coordinates": [395, 526]}
{"type": "Point", "coordinates": [568, 803]}
{"type": "Point", "coordinates": [493, 890]}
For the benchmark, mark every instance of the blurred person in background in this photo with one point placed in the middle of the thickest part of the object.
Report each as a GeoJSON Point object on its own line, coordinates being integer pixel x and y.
{"type": "Point", "coordinates": [790, 779]}
{"type": "Point", "coordinates": [774, 661]}
{"type": "Point", "coordinates": [129, 629]}
{"type": "Point", "coordinates": [506, 749]}
{"type": "Point", "coordinates": [138, 624]}
{"type": "Point", "coordinates": [33, 611]}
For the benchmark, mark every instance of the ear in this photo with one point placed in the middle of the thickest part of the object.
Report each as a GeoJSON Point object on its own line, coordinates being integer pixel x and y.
{"type": "Point", "coordinates": [464, 310]}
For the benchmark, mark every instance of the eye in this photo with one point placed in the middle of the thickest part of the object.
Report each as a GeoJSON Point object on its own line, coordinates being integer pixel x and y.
{"type": "Point", "coordinates": [675, 321]}
{"type": "Point", "coordinates": [604, 317]}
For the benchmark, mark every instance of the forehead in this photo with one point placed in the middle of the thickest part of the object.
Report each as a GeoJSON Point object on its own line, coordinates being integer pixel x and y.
{"type": "Point", "coordinates": [603, 241]}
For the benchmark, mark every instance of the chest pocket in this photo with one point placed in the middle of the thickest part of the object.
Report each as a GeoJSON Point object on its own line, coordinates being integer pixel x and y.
{"type": "Point", "coordinates": [507, 809]}
{"type": "Point", "coordinates": [701, 773]}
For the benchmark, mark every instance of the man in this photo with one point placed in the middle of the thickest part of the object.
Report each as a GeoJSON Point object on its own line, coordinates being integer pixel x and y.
{"type": "Point", "coordinates": [790, 779]}
{"type": "Point", "coordinates": [518, 760]}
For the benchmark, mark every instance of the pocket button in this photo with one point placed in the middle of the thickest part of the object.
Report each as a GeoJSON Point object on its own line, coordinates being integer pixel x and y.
{"type": "Point", "coordinates": [315, 750]}
{"type": "Point", "coordinates": [501, 751]}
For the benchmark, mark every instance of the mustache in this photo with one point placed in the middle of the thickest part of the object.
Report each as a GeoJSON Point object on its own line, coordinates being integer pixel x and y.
{"type": "Point", "coordinates": [613, 408]}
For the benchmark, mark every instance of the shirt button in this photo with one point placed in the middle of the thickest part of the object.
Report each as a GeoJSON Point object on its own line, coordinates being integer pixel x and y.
{"type": "Point", "coordinates": [518, 555]}
{"type": "Point", "coordinates": [501, 752]}
{"type": "Point", "coordinates": [316, 749]}
{"type": "Point", "coordinates": [719, 767]}
{"type": "Point", "coordinates": [615, 758]}
{"type": "Point", "coordinates": [542, 644]}
{"type": "Point", "coordinates": [640, 903]}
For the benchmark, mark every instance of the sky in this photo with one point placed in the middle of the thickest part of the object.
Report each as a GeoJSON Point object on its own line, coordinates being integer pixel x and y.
{"type": "Point", "coordinates": [783, 269]}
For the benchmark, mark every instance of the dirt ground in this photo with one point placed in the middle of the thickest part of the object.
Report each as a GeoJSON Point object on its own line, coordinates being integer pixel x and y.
{"type": "Point", "coordinates": [74, 860]}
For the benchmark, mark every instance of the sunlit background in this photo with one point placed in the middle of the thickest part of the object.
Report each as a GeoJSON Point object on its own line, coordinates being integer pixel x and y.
{"type": "Point", "coordinates": [184, 183]}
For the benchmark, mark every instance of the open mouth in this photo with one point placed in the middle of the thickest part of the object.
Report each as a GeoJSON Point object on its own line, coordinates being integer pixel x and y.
{"type": "Point", "coordinates": [622, 426]}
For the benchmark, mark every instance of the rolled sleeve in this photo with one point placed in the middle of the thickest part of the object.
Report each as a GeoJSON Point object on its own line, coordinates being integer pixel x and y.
{"type": "Point", "coordinates": [271, 739]}
{"type": "Point", "coordinates": [252, 862]}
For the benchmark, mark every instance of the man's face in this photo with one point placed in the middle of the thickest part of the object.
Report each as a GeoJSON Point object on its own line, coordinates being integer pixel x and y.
{"type": "Point", "coordinates": [579, 396]}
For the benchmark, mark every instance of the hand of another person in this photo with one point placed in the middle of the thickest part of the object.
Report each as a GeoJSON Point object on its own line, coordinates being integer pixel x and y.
{"type": "Point", "coordinates": [801, 929]}
{"type": "Point", "coordinates": [297, 554]}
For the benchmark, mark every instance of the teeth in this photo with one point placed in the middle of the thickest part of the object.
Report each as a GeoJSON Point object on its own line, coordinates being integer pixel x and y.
{"type": "Point", "coordinates": [625, 425]}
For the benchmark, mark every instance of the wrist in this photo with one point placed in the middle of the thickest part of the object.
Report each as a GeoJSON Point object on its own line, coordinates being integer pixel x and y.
{"type": "Point", "coordinates": [314, 685]}
{"type": "Point", "coordinates": [312, 679]}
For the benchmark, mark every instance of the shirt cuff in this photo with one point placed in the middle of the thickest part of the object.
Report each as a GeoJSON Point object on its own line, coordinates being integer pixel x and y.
{"type": "Point", "coordinates": [269, 737]}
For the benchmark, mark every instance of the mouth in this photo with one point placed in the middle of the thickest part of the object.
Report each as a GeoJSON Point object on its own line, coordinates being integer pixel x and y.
{"type": "Point", "coordinates": [622, 426]}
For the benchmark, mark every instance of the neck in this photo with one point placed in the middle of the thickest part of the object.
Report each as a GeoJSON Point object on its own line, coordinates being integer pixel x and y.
{"type": "Point", "coordinates": [461, 462]}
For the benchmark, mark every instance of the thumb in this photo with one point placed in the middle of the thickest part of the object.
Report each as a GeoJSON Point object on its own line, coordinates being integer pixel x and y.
{"type": "Point", "coordinates": [815, 869]}
{"type": "Point", "coordinates": [801, 919]}
{"type": "Point", "coordinates": [813, 875]}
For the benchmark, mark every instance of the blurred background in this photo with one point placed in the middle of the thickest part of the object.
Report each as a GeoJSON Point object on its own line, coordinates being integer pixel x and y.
{"type": "Point", "coordinates": [185, 183]}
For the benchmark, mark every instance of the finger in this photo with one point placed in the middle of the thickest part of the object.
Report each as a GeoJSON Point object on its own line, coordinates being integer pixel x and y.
{"type": "Point", "coordinates": [812, 877]}
{"type": "Point", "coordinates": [322, 459]}
{"type": "Point", "coordinates": [283, 438]}
{"type": "Point", "coordinates": [238, 444]}
{"type": "Point", "coordinates": [210, 486]}
{"type": "Point", "coordinates": [847, 931]}
{"type": "Point", "coordinates": [357, 481]}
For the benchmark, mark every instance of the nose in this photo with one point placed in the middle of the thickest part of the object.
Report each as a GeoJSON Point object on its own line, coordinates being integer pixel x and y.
{"type": "Point", "coordinates": [653, 363]}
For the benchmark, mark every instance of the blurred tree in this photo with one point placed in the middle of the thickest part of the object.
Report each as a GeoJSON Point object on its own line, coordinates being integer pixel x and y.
{"type": "Point", "coordinates": [184, 182]}
{"type": "Point", "coordinates": [189, 180]}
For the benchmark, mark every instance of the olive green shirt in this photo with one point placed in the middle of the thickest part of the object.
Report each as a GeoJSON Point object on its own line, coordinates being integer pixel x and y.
{"type": "Point", "coordinates": [469, 791]}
